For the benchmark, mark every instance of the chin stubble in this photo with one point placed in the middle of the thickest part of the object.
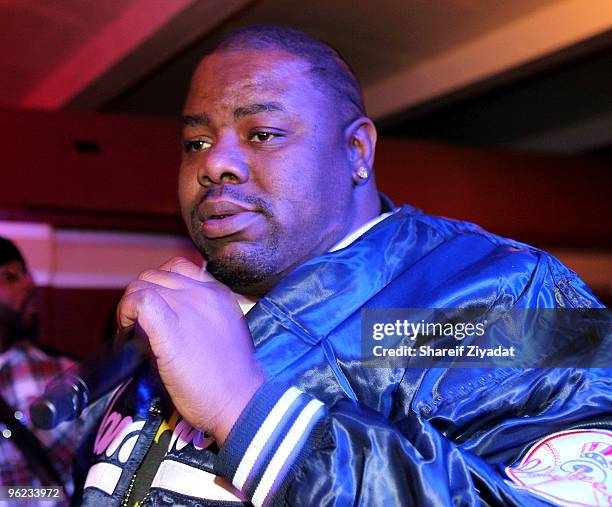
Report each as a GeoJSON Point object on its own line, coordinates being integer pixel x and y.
{"type": "Point", "coordinates": [249, 266]}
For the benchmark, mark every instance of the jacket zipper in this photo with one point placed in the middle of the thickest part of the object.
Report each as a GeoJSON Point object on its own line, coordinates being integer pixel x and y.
{"type": "Point", "coordinates": [128, 492]}
{"type": "Point", "coordinates": [154, 411]}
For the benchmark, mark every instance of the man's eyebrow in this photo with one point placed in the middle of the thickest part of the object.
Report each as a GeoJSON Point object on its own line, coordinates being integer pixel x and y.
{"type": "Point", "coordinates": [194, 120]}
{"type": "Point", "coordinates": [257, 108]}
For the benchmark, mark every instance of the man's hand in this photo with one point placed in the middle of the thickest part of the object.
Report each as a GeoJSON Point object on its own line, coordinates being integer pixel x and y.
{"type": "Point", "coordinates": [200, 342]}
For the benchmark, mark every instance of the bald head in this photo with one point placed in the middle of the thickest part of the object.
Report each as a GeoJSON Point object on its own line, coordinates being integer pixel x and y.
{"type": "Point", "coordinates": [327, 66]}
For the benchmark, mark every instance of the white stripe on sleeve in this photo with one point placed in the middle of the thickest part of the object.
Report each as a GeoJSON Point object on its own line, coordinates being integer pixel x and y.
{"type": "Point", "coordinates": [300, 426]}
{"type": "Point", "coordinates": [270, 423]}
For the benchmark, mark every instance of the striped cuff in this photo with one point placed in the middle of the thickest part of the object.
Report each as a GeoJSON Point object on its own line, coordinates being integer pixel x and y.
{"type": "Point", "coordinates": [267, 439]}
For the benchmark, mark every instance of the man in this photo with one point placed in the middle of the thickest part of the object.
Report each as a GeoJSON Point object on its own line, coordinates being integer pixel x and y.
{"type": "Point", "coordinates": [277, 191]}
{"type": "Point", "coordinates": [28, 457]}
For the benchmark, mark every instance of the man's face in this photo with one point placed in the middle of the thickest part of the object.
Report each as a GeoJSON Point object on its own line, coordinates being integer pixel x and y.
{"type": "Point", "coordinates": [16, 286]}
{"type": "Point", "coordinates": [265, 181]}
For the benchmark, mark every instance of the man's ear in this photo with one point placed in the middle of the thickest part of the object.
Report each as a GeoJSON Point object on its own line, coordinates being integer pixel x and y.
{"type": "Point", "coordinates": [360, 137]}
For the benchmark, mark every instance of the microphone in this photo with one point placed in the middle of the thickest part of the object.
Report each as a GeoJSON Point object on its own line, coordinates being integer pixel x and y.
{"type": "Point", "coordinates": [67, 395]}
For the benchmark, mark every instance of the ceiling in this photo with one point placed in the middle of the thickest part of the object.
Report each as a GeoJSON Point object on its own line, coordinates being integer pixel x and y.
{"type": "Point", "coordinates": [529, 75]}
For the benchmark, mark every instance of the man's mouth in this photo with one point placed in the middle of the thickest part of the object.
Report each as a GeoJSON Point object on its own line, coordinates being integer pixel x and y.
{"type": "Point", "coordinates": [220, 218]}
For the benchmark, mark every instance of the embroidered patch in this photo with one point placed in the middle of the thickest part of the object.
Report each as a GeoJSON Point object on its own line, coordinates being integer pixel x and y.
{"type": "Point", "coordinates": [571, 468]}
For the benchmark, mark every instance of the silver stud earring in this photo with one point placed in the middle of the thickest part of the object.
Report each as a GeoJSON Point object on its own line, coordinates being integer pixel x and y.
{"type": "Point", "coordinates": [361, 175]}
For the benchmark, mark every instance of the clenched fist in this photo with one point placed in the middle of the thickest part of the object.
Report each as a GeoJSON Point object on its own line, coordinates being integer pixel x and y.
{"type": "Point", "coordinates": [200, 342]}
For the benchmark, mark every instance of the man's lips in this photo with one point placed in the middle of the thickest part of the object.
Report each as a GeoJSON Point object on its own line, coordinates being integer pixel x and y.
{"type": "Point", "coordinates": [223, 218]}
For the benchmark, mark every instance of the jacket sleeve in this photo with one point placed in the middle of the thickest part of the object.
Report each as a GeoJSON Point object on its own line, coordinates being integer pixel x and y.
{"type": "Point", "coordinates": [299, 452]}
{"type": "Point", "coordinates": [288, 448]}
{"type": "Point", "coordinates": [479, 447]}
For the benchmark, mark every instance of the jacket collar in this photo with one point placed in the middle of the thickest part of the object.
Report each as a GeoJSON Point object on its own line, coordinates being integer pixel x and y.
{"type": "Point", "coordinates": [323, 292]}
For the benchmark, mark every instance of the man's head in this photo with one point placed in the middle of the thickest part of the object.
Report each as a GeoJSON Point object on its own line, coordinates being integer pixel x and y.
{"type": "Point", "coordinates": [16, 284]}
{"type": "Point", "coordinates": [274, 134]}
{"type": "Point", "coordinates": [16, 291]}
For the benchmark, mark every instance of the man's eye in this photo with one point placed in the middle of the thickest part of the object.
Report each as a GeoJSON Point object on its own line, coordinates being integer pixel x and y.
{"type": "Point", "coordinates": [196, 145]}
{"type": "Point", "coordinates": [262, 137]}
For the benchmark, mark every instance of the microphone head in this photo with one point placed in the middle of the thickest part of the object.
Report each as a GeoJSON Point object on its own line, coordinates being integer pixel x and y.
{"type": "Point", "coordinates": [64, 400]}
{"type": "Point", "coordinates": [67, 395]}
{"type": "Point", "coordinates": [44, 414]}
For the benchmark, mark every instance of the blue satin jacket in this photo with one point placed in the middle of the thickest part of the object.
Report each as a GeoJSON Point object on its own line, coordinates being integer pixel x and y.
{"type": "Point", "coordinates": [325, 430]}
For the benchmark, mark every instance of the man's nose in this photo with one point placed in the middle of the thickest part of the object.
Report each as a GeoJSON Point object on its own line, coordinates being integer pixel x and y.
{"type": "Point", "coordinates": [225, 163]}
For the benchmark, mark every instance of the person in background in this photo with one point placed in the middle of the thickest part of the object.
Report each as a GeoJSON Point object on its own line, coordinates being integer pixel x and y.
{"type": "Point", "coordinates": [28, 456]}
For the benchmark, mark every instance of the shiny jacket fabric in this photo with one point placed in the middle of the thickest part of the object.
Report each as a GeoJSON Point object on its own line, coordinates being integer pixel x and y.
{"type": "Point", "coordinates": [380, 436]}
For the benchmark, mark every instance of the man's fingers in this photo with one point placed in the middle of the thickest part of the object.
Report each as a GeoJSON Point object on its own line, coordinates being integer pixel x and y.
{"type": "Point", "coordinates": [143, 303]}
{"type": "Point", "coordinates": [126, 320]}
{"type": "Point", "coordinates": [185, 267]}
{"type": "Point", "coordinates": [139, 284]}
{"type": "Point", "coordinates": [173, 279]}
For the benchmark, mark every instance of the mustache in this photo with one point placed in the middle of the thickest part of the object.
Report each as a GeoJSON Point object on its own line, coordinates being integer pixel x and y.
{"type": "Point", "coordinates": [230, 191]}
